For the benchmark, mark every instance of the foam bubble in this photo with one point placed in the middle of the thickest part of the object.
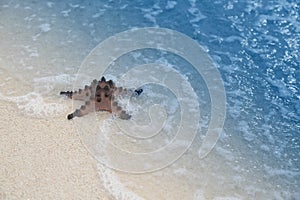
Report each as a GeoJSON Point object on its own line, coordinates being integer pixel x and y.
{"type": "Point", "coordinates": [199, 195]}
{"type": "Point", "coordinates": [66, 12]}
{"type": "Point", "coordinates": [195, 12]}
{"type": "Point", "coordinates": [41, 102]}
{"type": "Point", "coordinates": [45, 85]}
{"type": "Point", "coordinates": [281, 172]}
{"type": "Point", "coordinates": [45, 27]}
{"type": "Point", "coordinates": [50, 4]}
{"type": "Point", "coordinates": [34, 105]}
{"type": "Point", "coordinates": [226, 198]}
{"type": "Point", "coordinates": [171, 4]}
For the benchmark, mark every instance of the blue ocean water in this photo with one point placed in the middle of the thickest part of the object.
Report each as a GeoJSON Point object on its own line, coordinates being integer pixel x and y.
{"type": "Point", "coordinates": [255, 45]}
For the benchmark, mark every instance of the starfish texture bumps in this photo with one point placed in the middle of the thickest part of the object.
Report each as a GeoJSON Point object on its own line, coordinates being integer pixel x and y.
{"type": "Point", "coordinates": [100, 96]}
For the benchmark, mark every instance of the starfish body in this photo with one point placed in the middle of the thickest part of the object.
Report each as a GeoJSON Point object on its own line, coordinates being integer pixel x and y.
{"type": "Point", "coordinates": [100, 96]}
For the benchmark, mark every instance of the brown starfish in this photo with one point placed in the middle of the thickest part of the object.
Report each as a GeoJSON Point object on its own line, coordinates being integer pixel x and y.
{"type": "Point", "coordinates": [100, 96]}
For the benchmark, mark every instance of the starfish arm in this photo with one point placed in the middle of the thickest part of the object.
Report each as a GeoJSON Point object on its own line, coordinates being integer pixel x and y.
{"type": "Point", "coordinates": [69, 94]}
{"type": "Point", "coordinates": [120, 91]}
{"type": "Point", "coordinates": [81, 94]}
{"type": "Point", "coordinates": [84, 110]}
{"type": "Point", "coordinates": [119, 111]}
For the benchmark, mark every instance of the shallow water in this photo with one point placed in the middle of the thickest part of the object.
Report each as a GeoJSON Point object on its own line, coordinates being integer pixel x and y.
{"type": "Point", "coordinates": [255, 46]}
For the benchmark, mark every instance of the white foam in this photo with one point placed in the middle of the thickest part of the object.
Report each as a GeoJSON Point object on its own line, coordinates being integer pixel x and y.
{"type": "Point", "coordinates": [98, 14]}
{"type": "Point", "coordinates": [225, 153]}
{"type": "Point", "coordinates": [45, 85]}
{"type": "Point", "coordinates": [113, 185]}
{"type": "Point", "coordinates": [233, 39]}
{"type": "Point", "coordinates": [171, 5]}
{"type": "Point", "coordinates": [195, 12]}
{"type": "Point", "coordinates": [283, 90]}
{"type": "Point", "coordinates": [265, 148]}
{"type": "Point", "coordinates": [151, 13]}
{"type": "Point", "coordinates": [45, 27]}
{"type": "Point", "coordinates": [123, 7]}
{"type": "Point", "coordinates": [181, 171]}
{"type": "Point", "coordinates": [226, 198]}
{"type": "Point", "coordinates": [61, 78]}
{"type": "Point", "coordinates": [32, 51]}
{"type": "Point", "coordinates": [66, 12]}
{"type": "Point", "coordinates": [34, 105]}
{"type": "Point", "coordinates": [199, 195]}
{"type": "Point", "coordinates": [74, 5]}
{"type": "Point", "coordinates": [245, 129]}
{"type": "Point", "coordinates": [42, 102]}
{"type": "Point", "coordinates": [50, 4]}
{"type": "Point", "coordinates": [281, 172]}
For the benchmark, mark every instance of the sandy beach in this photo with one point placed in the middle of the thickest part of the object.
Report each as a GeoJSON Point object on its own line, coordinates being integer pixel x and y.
{"type": "Point", "coordinates": [44, 159]}
{"type": "Point", "coordinates": [41, 157]}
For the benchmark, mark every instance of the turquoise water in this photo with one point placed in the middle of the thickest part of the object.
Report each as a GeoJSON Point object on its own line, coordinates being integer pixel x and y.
{"type": "Point", "coordinates": [254, 44]}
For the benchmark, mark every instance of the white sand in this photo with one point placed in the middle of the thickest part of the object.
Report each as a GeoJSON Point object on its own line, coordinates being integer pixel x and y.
{"type": "Point", "coordinates": [44, 159]}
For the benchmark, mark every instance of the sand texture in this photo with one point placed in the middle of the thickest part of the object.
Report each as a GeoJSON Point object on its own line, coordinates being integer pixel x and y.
{"type": "Point", "coordinates": [44, 159]}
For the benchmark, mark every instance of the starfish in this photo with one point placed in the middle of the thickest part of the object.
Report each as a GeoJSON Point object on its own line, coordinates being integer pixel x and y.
{"type": "Point", "coordinates": [100, 96]}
